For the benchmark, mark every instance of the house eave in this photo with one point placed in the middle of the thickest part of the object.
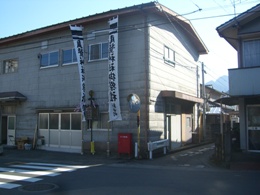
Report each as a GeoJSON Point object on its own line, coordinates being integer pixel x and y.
{"type": "Point", "coordinates": [180, 95]}
{"type": "Point", "coordinates": [229, 30]}
{"type": "Point", "coordinates": [13, 96]}
{"type": "Point", "coordinates": [188, 27]}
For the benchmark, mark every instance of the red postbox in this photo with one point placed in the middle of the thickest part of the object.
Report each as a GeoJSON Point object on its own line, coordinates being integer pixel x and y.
{"type": "Point", "coordinates": [125, 143]}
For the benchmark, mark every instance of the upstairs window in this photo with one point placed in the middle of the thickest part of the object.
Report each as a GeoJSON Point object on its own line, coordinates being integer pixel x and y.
{"type": "Point", "coordinates": [69, 56]}
{"type": "Point", "coordinates": [251, 53]}
{"type": "Point", "coordinates": [49, 59]}
{"type": "Point", "coordinates": [169, 56]}
{"type": "Point", "coordinates": [10, 66]}
{"type": "Point", "coordinates": [98, 51]}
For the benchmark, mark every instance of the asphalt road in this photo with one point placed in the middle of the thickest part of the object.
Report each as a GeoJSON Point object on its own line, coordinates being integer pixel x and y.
{"type": "Point", "coordinates": [185, 172]}
{"type": "Point", "coordinates": [113, 179]}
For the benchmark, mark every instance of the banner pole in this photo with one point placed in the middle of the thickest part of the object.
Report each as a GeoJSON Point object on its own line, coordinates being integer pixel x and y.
{"type": "Point", "coordinates": [108, 140]}
{"type": "Point", "coordinates": [78, 41]}
{"type": "Point", "coordinates": [92, 143]}
{"type": "Point", "coordinates": [82, 136]}
{"type": "Point", "coordinates": [138, 133]}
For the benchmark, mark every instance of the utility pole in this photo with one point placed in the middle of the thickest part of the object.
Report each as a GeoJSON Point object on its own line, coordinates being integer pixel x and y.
{"type": "Point", "coordinates": [204, 102]}
{"type": "Point", "coordinates": [197, 125]}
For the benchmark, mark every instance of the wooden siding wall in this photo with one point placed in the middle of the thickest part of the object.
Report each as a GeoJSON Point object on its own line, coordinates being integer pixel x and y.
{"type": "Point", "coordinates": [182, 77]}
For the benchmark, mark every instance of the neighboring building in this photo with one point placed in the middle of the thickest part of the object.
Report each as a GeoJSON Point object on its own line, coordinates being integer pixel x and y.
{"type": "Point", "coordinates": [243, 33]}
{"type": "Point", "coordinates": [215, 111]}
{"type": "Point", "coordinates": [157, 54]}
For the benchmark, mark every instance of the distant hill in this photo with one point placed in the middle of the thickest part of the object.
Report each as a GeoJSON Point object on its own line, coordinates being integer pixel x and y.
{"type": "Point", "coordinates": [221, 84]}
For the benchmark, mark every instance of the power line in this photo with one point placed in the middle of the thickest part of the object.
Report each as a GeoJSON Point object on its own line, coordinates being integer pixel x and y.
{"type": "Point", "coordinates": [207, 9]}
{"type": "Point", "coordinates": [218, 16]}
{"type": "Point", "coordinates": [123, 29]}
{"type": "Point", "coordinates": [220, 81]}
{"type": "Point", "coordinates": [220, 6]}
{"type": "Point", "coordinates": [127, 26]}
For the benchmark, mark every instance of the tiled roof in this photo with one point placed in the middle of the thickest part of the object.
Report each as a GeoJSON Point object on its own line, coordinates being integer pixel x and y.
{"type": "Point", "coordinates": [251, 10]}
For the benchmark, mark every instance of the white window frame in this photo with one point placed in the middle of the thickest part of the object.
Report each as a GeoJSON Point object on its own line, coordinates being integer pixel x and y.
{"type": "Point", "coordinates": [169, 56]}
{"type": "Point", "coordinates": [72, 62]}
{"type": "Point", "coordinates": [59, 120]}
{"type": "Point", "coordinates": [101, 57]}
{"type": "Point", "coordinates": [11, 69]}
{"type": "Point", "coordinates": [49, 53]}
{"type": "Point", "coordinates": [97, 125]}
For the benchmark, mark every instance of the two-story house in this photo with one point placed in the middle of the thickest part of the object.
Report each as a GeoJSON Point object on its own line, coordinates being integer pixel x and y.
{"type": "Point", "coordinates": [243, 33]}
{"type": "Point", "coordinates": [158, 52]}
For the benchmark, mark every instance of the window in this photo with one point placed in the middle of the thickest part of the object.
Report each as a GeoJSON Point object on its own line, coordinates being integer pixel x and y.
{"type": "Point", "coordinates": [169, 56]}
{"type": "Point", "coordinates": [98, 51]}
{"type": "Point", "coordinates": [253, 127]}
{"type": "Point", "coordinates": [11, 122]}
{"type": "Point", "coordinates": [69, 56]}
{"type": "Point", "coordinates": [54, 121]}
{"type": "Point", "coordinates": [188, 121]}
{"type": "Point", "coordinates": [71, 121]}
{"type": "Point", "coordinates": [101, 122]}
{"type": "Point", "coordinates": [49, 59]}
{"type": "Point", "coordinates": [64, 121]}
{"type": "Point", "coordinates": [10, 66]}
{"type": "Point", "coordinates": [43, 121]}
{"type": "Point", "coordinates": [251, 53]}
{"type": "Point", "coordinates": [75, 121]}
{"type": "Point", "coordinates": [104, 121]}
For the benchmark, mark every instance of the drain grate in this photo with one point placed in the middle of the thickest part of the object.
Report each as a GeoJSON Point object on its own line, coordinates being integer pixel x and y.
{"type": "Point", "coordinates": [40, 187]}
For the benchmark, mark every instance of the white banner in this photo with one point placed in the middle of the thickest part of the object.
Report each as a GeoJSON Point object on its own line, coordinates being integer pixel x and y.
{"type": "Point", "coordinates": [77, 37]}
{"type": "Point", "coordinates": [113, 89]}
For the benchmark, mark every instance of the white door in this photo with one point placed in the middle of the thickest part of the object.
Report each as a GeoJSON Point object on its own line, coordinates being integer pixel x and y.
{"type": "Point", "coordinates": [11, 125]}
{"type": "Point", "coordinates": [187, 130]}
{"type": "Point", "coordinates": [174, 130]}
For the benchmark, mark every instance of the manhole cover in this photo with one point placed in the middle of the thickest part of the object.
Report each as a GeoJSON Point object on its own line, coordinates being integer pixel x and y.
{"type": "Point", "coordinates": [40, 187]}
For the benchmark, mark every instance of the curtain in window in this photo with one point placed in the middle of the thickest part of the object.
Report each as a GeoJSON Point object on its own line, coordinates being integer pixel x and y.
{"type": "Point", "coordinates": [251, 53]}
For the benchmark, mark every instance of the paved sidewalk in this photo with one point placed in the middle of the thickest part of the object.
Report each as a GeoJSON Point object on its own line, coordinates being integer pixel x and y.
{"type": "Point", "coordinates": [56, 157]}
{"type": "Point", "coordinates": [195, 156]}
{"type": "Point", "coordinates": [245, 161]}
{"type": "Point", "coordinates": [192, 156]}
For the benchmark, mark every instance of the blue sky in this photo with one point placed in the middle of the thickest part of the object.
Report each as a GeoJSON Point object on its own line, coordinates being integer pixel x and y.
{"type": "Point", "coordinates": [17, 16]}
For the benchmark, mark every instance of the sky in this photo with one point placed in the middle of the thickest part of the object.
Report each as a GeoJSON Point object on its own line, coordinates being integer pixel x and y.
{"type": "Point", "coordinates": [18, 16]}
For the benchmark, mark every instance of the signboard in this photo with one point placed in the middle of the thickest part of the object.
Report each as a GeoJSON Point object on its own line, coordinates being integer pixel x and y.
{"type": "Point", "coordinates": [77, 37]}
{"type": "Point", "coordinates": [113, 89]}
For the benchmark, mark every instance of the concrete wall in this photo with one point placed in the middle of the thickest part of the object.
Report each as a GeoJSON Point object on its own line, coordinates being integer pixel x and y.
{"type": "Point", "coordinates": [141, 70]}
